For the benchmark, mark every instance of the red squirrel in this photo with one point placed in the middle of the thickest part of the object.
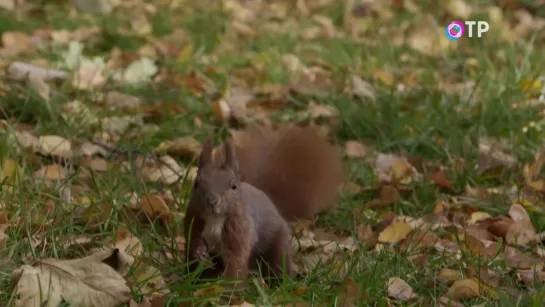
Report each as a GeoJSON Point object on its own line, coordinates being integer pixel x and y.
{"type": "Point", "coordinates": [246, 193]}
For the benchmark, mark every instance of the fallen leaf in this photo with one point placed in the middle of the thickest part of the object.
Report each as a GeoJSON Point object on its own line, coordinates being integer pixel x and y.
{"type": "Point", "coordinates": [458, 9]}
{"type": "Point", "coordinates": [18, 71]}
{"type": "Point", "coordinates": [384, 76]}
{"type": "Point", "coordinates": [167, 170]}
{"type": "Point", "coordinates": [393, 169]}
{"type": "Point", "coordinates": [154, 205]}
{"type": "Point", "coordinates": [51, 172]}
{"type": "Point", "coordinates": [3, 235]}
{"type": "Point", "coordinates": [16, 42]}
{"type": "Point", "coordinates": [351, 293]}
{"type": "Point", "coordinates": [521, 232]}
{"type": "Point", "coordinates": [362, 88]}
{"type": "Point", "coordinates": [394, 233]}
{"type": "Point", "coordinates": [118, 100]}
{"type": "Point", "coordinates": [478, 216]}
{"type": "Point", "coordinates": [10, 170]}
{"type": "Point", "coordinates": [468, 288]}
{"type": "Point", "coordinates": [38, 84]}
{"type": "Point", "coordinates": [52, 145]}
{"type": "Point", "coordinates": [449, 275]}
{"type": "Point", "coordinates": [185, 146]}
{"type": "Point", "coordinates": [95, 163]}
{"type": "Point", "coordinates": [126, 241]}
{"type": "Point", "coordinates": [493, 154]}
{"type": "Point", "coordinates": [94, 6]}
{"type": "Point", "coordinates": [87, 282]}
{"type": "Point", "coordinates": [355, 149]}
{"type": "Point", "coordinates": [140, 71]}
{"type": "Point", "coordinates": [89, 75]}
{"type": "Point", "coordinates": [144, 303]}
{"type": "Point", "coordinates": [442, 181]}
{"type": "Point", "coordinates": [448, 302]}
{"type": "Point", "coordinates": [399, 289]}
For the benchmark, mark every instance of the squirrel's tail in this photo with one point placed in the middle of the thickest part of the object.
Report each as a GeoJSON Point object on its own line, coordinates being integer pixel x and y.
{"type": "Point", "coordinates": [298, 169]}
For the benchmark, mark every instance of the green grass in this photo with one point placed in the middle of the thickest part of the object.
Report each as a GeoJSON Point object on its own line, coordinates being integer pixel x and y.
{"type": "Point", "coordinates": [423, 121]}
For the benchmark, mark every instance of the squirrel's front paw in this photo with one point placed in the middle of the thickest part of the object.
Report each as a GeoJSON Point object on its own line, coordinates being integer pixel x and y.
{"type": "Point", "coordinates": [201, 253]}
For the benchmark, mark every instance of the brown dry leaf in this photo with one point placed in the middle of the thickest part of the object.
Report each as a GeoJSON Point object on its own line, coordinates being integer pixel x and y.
{"type": "Point", "coordinates": [144, 303]}
{"type": "Point", "coordinates": [352, 293]}
{"type": "Point", "coordinates": [441, 180]}
{"type": "Point", "coordinates": [458, 8]}
{"type": "Point", "coordinates": [167, 170]}
{"type": "Point", "coordinates": [355, 149]}
{"type": "Point", "coordinates": [38, 84]}
{"type": "Point", "coordinates": [96, 164]}
{"type": "Point", "coordinates": [521, 232]}
{"type": "Point", "coordinates": [532, 278]}
{"type": "Point", "coordinates": [467, 288]}
{"type": "Point", "coordinates": [3, 235]}
{"type": "Point", "coordinates": [394, 169]}
{"type": "Point", "coordinates": [89, 75]}
{"type": "Point", "coordinates": [186, 146]}
{"type": "Point", "coordinates": [394, 233]}
{"type": "Point", "coordinates": [321, 111]}
{"type": "Point", "coordinates": [473, 246]}
{"type": "Point", "coordinates": [449, 275]}
{"type": "Point", "coordinates": [19, 71]}
{"type": "Point", "coordinates": [87, 282]}
{"type": "Point", "coordinates": [154, 205]}
{"type": "Point", "coordinates": [362, 88]}
{"type": "Point", "coordinates": [52, 145]}
{"type": "Point", "coordinates": [493, 154]}
{"type": "Point", "coordinates": [232, 105]}
{"type": "Point", "coordinates": [428, 40]}
{"type": "Point", "coordinates": [16, 42]}
{"type": "Point", "coordinates": [126, 241]}
{"type": "Point", "coordinates": [421, 238]}
{"type": "Point", "coordinates": [151, 277]}
{"type": "Point", "coordinates": [311, 82]}
{"type": "Point", "coordinates": [521, 260]}
{"type": "Point", "coordinates": [366, 235]}
{"type": "Point", "coordinates": [51, 172]}
{"type": "Point", "coordinates": [399, 289]}
{"type": "Point", "coordinates": [118, 100]}
{"type": "Point", "coordinates": [447, 302]}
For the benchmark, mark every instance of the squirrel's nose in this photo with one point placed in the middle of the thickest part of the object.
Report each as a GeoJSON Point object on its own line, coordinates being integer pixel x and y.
{"type": "Point", "coordinates": [212, 200]}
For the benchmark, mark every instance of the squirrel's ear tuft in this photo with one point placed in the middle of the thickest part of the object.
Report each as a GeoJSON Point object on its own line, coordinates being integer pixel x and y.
{"type": "Point", "coordinates": [206, 152]}
{"type": "Point", "coordinates": [231, 159]}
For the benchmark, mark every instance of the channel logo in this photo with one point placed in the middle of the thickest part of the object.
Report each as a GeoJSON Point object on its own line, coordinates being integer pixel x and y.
{"type": "Point", "coordinates": [455, 30]}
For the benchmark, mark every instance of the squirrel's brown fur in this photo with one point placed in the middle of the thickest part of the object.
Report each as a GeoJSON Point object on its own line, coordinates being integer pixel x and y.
{"type": "Point", "coordinates": [246, 191]}
{"type": "Point", "coordinates": [298, 169]}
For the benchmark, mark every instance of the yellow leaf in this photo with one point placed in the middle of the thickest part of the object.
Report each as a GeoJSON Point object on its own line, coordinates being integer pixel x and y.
{"type": "Point", "coordinates": [10, 170]}
{"type": "Point", "coordinates": [531, 85]}
{"type": "Point", "coordinates": [538, 185]}
{"type": "Point", "coordinates": [477, 216]}
{"type": "Point", "coordinates": [301, 290]}
{"type": "Point", "coordinates": [208, 291]}
{"type": "Point", "coordinates": [384, 77]}
{"type": "Point", "coordinates": [394, 233]}
{"type": "Point", "coordinates": [185, 54]}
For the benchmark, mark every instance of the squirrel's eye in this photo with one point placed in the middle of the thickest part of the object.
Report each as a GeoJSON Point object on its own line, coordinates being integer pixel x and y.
{"type": "Point", "coordinates": [234, 186]}
{"type": "Point", "coordinates": [196, 183]}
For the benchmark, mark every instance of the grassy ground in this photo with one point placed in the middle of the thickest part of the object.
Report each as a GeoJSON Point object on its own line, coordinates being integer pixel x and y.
{"type": "Point", "coordinates": [435, 108]}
